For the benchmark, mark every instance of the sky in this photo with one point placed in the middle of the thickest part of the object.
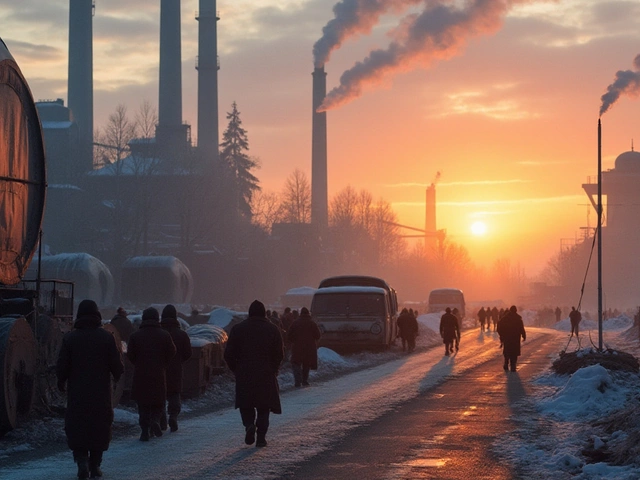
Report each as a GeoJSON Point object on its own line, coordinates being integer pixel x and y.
{"type": "Point", "coordinates": [504, 106]}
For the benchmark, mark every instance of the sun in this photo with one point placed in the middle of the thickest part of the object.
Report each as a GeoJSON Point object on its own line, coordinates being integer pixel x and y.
{"type": "Point", "coordinates": [478, 228]}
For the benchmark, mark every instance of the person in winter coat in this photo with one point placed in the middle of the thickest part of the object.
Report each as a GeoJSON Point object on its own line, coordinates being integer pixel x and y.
{"type": "Point", "coordinates": [303, 335]}
{"type": "Point", "coordinates": [253, 353]}
{"type": "Point", "coordinates": [150, 349]}
{"type": "Point", "coordinates": [510, 329]}
{"type": "Point", "coordinates": [407, 330]}
{"type": "Point", "coordinates": [449, 330]}
{"type": "Point", "coordinates": [87, 361]}
{"type": "Point", "coordinates": [575, 317]}
{"type": "Point", "coordinates": [482, 316]}
{"type": "Point", "coordinates": [123, 324]}
{"type": "Point", "coordinates": [169, 322]}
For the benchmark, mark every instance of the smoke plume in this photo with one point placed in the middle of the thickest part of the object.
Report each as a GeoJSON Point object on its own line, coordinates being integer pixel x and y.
{"type": "Point", "coordinates": [627, 81]}
{"type": "Point", "coordinates": [351, 18]}
{"type": "Point", "coordinates": [439, 32]}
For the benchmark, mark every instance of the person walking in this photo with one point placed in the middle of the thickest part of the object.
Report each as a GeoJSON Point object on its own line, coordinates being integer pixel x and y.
{"type": "Point", "coordinates": [169, 322]}
{"type": "Point", "coordinates": [150, 349]}
{"type": "Point", "coordinates": [449, 330]}
{"type": "Point", "coordinates": [558, 313]}
{"type": "Point", "coordinates": [123, 324]}
{"type": "Point", "coordinates": [575, 317]}
{"type": "Point", "coordinates": [303, 335]}
{"type": "Point", "coordinates": [253, 353]}
{"type": "Point", "coordinates": [408, 330]}
{"type": "Point", "coordinates": [510, 329]}
{"type": "Point", "coordinates": [87, 361]}
{"type": "Point", "coordinates": [482, 315]}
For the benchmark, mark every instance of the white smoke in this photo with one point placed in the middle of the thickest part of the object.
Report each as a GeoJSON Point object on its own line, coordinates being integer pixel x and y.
{"type": "Point", "coordinates": [627, 81]}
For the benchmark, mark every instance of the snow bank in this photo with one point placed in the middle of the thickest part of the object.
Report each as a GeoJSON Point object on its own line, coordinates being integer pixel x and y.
{"type": "Point", "coordinates": [621, 322]}
{"type": "Point", "coordinates": [221, 316]}
{"type": "Point", "coordinates": [326, 356]}
{"type": "Point", "coordinates": [124, 416]}
{"type": "Point", "coordinates": [589, 393]}
{"type": "Point", "coordinates": [429, 320]}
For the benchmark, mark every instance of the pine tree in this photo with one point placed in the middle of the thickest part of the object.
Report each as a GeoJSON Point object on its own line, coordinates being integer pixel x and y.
{"type": "Point", "coordinates": [233, 156]}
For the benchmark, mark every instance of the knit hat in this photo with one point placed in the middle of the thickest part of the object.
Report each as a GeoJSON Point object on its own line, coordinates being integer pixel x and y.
{"type": "Point", "coordinates": [88, 307]}
{"type": "Point", "coordinates": [513, 309]}
{"type": "Point", "coordinates": [169, 312]}
{"type": "Point", "coordinates": [256, 309]}
{"type": "Point", "coordinates": [122, 311]}
{"type": "Point", "coordinates": [150, 314]}
{"type": "Point", "coordinates": [304, 311]}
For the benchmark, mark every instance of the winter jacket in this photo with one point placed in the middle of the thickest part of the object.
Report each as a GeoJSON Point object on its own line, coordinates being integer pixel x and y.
{"type": "Point", "coordinates": [124, 326]}
{"type": "Point", "coordinates": [510, 329]}
{"type": "Point", "coordinates": [303, 335]}
{"type": "Point", "coordinates": [150, 349]}
{"type": "Point", "coordinates": [87, 360]}
{"type": "Point", "coordinates": [407, 326]}
{"type": "Point", "coordinates": [183, 353]}
{"type": "Point", "coordinates": [449, 329]}
{"type": "Point", "coordinates": [254, 352]}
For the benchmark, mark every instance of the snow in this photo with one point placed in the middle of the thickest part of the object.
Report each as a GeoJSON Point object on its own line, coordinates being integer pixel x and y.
{"type": "Point", "coordinates": [221, 317]}
{"type": "Point", "coordinates": [301, 291]}
{"type": "Point", "coordinates": [553, 425]}
{"type": "Point", "coordinates": [621, 322]}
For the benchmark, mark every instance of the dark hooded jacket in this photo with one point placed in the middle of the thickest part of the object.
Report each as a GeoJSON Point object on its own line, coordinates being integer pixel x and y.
{"type": "Point", "coordinates": [407, 325]}
{"type": "Point", "coordinates": [510, 329]}
{"type": "Point", "coordinates": [123, 325]}
{"type": "Point", "coordinates": [150, 349]}
{"type": "Point", "coordinates": [87, 360]}
{"type": "Point", "coordinates": [449, 329]}
{"type": "Point", "coordinates": [170, 323]}
{"type": "Point", "coordinates": [254, 352]}
{"type": "Point", "coordinates": [303, 335]}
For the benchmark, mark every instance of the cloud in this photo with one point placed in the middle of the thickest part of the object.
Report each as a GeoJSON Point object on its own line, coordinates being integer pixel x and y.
{"type": "Point", "coordinates": [564, 199]}
{"type": "Point", "coordinates": [452, 184]}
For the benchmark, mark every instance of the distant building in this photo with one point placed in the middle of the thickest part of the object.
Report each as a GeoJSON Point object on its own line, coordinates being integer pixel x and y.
{"type": "Point", "coordinates": [621, 230]}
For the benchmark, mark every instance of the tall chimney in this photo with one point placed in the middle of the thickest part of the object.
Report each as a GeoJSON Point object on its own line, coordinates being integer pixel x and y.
{"type": "Point", "coordinates": [208, 67]}
{"type": "Point", "coordinates": [170, 132]}
{"type": "Point", "coordinates": [319, 200]}
{"type": "Point", "coordinates": [80, 78]}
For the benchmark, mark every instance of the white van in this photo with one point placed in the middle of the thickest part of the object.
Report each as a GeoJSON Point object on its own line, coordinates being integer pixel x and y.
{"type": "Point", "coordinates": [441, 298]}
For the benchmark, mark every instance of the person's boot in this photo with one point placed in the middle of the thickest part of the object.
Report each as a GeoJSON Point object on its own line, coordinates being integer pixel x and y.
{"type": "Point", "coordinates": [144, 436]}
{"type": "Point", "coordinates": [155, 429]}
{"type": "Point", "coordinates": [94, 465]}
{"type": "Point", "coordinates": [163, 422]}
{"type": "Point", "coordinates": [173, 423]}
{"type": "Point", "coordinates": [250, 435]}
{"type": "Point", "coordinates": [261, 441]}
{"type": "Point", "coordinates": [83, 467]}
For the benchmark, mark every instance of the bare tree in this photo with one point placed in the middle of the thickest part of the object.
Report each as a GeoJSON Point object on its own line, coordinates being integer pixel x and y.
{"type": "Point", "coordinates": [114, 138]}
{"type": "Point", "coordinates": [146, 120]}
{"type": "Point", "coordinates": [267, 210]}
{"type": "Point", "coordinates": [384, 231]}
{"type": "Point", "coordinates": [296, 198]}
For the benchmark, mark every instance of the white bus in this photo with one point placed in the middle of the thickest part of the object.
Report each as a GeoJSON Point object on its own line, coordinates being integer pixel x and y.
{"type": "Point", "coordinates": [441, 298]}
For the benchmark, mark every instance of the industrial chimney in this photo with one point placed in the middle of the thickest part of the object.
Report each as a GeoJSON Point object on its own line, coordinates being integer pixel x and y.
{"type": "Point", "coordinates": [80, 77]}
{"type": "Point", "coordinates": [208, 67]}
{"type": "Point", "coordinates": [319, 200]}
{"type": "Point", "coordinates": [171, 134]}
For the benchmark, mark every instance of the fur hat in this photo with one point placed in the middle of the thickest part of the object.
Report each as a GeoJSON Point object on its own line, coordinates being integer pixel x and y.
{"type": "Point", "coordinates": [88, 307]}
{"type": "Point", "coordinates": [122, 311]}
{"type": "Point", "coordinates": [169, 312]}
{"type": "Point", "coordinates": [256, 309]}
{"type": "Point", "coordinates": [150, 314]}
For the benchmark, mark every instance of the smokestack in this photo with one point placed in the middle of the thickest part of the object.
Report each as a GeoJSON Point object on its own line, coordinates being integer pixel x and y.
{"type": "Point", "coordinates": [208, 67]}
{"type": "Point", "coordinates": [319, 200]}
{"type": "Point", "coordinates": [430, 216]}
{"type": "Point", "coordinates": [170, 130]}
{"type": "Point", "coordinates": [80, 77]}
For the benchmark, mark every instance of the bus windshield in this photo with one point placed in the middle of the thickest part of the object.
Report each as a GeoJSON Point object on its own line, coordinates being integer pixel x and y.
{"type": "Point", "coordinates": [352, 304]}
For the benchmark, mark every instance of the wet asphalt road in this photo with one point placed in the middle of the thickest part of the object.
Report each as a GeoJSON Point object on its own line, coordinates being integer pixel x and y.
{"type": "Point", "coordinates": [445, 433]}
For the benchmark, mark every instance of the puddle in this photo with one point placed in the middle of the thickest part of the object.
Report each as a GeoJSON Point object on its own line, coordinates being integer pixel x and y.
{"type": "Point", "coordinates": [427, 463]}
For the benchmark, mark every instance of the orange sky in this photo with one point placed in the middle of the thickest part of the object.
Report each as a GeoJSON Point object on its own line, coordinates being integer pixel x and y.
{"type": "Point", "coordinates": [509, 121]}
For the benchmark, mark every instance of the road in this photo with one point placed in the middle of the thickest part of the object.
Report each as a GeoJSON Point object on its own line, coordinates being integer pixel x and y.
{"type": "Point", "coordinates": [421, 416]}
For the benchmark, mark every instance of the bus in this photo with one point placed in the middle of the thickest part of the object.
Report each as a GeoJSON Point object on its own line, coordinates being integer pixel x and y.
{"type": "Point", "coordinates": [355, 311]}
{"type": "Point", "coordinates": [441, 298]}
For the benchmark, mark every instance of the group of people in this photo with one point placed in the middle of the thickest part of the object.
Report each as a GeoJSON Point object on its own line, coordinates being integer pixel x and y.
{"type": "Point", "coordinates": [490, 316]}
{"type": "Point", "coordinates": [88, 362]}
{"type": "Point", "coordinates": [407, 329]}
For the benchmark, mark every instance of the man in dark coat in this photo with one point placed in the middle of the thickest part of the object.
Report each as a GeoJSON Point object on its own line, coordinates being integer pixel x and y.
{"type": "Point", "coordinates": [123, 324]}
{"type": "Point", "coordinates": [482, 315]}
{"type": "Point", "coordinates": [575, 317]}
{"type": "Point", "coordinates": [303, 335]}
{"type": "Point", "coordinates": [253, 353]}
{"type": "Point", "coordinates": [87, 360]}
{"type": "Point", "coordinates": [407, 329]}
{"type": "Point", "coordinates": [169, 322]}
{"type": "Point", "coordinates": [150, 349]}
{"type": "Point", "coordinates": [449, 330]}
{"type": "Point", "coordinates": [510, 329]}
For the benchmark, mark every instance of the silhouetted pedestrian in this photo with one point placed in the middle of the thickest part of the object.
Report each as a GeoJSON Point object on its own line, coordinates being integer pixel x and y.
{"type": "Point", "coordinates": [253, 353]}
{"type": "Point", "coordinates": [150, 350]}
{"type": "Point", "coordinates": [482, 316]}
{"type": "Point", "coordinates": [510, 329]}
{"type": "Point", "coordinates": [303, 335]}
{"type": "Point", "coordinates": [407, 329]}
{"type": "Point", "coordinates": [169, 322]}
{"type": "Point", "coordinates": [558, 313]}
{"type": "Point", "coordinates": [123, 324]}
{"type": "Point", "coordinates": [449, 330]}
{"type": "Point", "coordinates": [87, 360]}
{"type": "Point", "coordinates": [575, 317]}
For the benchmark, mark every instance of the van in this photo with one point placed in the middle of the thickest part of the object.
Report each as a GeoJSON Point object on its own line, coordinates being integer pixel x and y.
{"type": "Point", "coordinates": [441, 298]}
{"type": "Point", "coordinates": [353, 316]}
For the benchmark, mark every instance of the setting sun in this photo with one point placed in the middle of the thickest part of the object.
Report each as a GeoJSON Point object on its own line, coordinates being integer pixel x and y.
{"type": "Point", "coordinates": [478, 228]}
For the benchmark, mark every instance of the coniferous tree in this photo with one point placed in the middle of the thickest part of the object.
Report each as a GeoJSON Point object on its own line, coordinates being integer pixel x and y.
{"type": "Point", "coordinates": [234, 156]}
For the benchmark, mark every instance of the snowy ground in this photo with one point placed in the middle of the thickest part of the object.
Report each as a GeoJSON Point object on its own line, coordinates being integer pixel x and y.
{"type": "Point", "coordinates": [559, 427]}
